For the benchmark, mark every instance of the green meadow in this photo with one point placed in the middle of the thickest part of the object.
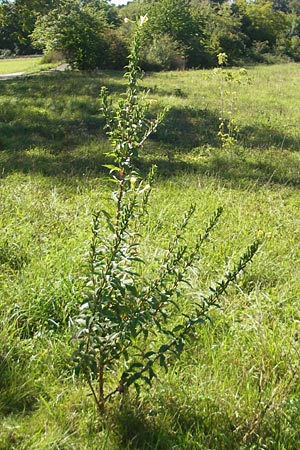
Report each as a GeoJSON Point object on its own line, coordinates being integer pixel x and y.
{"type": "Point", "coordinates": [28, 65]}
{"type": "Point", "coordinates": [237, 384]}
{"type": "Point", "coordinates": [11, 65]}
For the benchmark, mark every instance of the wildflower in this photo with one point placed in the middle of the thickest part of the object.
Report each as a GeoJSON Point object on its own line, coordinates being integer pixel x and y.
{"type": "Point", "coordinates": [143, 19]}
{"type": "Point", "coordinates": [132, 182]}
{"type": "Point", "coordinates": [146, 188]}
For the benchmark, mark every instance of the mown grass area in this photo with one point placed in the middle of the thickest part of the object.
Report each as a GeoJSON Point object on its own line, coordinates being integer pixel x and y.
{"type": "Point", "coordinates": [27, 65]}
{"type": "Point", "coordinates": [237, 386]}
{"type": "Point", "coordinates": [11, 65]}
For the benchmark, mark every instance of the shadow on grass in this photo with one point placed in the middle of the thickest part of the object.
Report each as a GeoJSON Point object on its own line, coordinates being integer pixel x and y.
{"type": "Point", "coordinates": [17, 392]}
{"type": "Point", "coordinates": [187, 128]}
{"type": "Point", "coordinates": [174, 428]}
{"type": "Point", "coordinates": [234, 169]}
{"type": "Point", "coordinates": [207, 425]}
{"type": "Point", "coordinates": [57, 112]}
{"type": "Point", "coordinates": [65, 164]}
{"type": "Point", "coordinates": [63, 83]}
{"type": "Point", "coordinates": [264, 137]}
{"type": "Point", "coordinates": [51, 124]}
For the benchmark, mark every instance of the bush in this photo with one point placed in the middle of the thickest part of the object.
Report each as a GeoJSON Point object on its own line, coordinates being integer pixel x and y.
{"type": "Point", "coordinates": [5, 52]}
{"type": "Point", "coordinates": [116, 50]}
{"type": "Point", "coordinates": [289, 47]}
{"type": "Point", "coordinates": [75, 30]}
{"type": "Point", "coordinates": [163, 54]}
{"type": "Point", "coordinates": [52, 57]}
{"type": "Point", "coordinates": [258, 51]}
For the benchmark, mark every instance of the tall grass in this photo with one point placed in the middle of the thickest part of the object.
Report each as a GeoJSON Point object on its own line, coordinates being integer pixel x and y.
{"type": "Point", "coordinates": [237, 387]}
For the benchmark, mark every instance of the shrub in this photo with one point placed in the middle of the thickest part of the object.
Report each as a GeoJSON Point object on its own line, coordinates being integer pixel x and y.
{"type": "Point", "coordinates": [75, 30]}
{"type": "Point", "coordinates": [52, 56]}
{"type": "Point", "coordinates": [163, 54]}
{"type": "Point", "coordinates": [116, 50]}
{"type": "Point", "coordinates": [128, 322]}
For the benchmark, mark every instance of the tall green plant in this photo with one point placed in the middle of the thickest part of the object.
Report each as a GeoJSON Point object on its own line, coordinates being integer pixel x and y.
{"type": "Point", "coordinates": [75, 29]}
{"type": "Point", "coordinates": [228, 83]}
{"type": "Point", "coordinates": [128, 322]}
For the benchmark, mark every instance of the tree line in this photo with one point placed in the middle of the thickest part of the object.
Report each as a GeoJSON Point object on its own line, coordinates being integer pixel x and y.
{"type": "Point", "coordinates": [179, 34]}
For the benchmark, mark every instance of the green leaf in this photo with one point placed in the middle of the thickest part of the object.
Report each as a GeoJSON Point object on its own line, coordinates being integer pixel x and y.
{"type": "Point", "coordinates": [111, 167]}
{"type": "Point", "coordinates": [178, 328]}
{"type": "Point", "coordinates": [133, 378]}
{"type": "Point", "coordinates": [136, 365]}
{"type": "Point", "coordinates": [164, 348]}
{"type": "Point", "coordinates": [163, 363]}
{"type": "Point", "coordinates": [149, 354]}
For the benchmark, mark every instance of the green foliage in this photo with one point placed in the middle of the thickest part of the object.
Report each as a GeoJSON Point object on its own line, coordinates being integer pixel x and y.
{"type": "Point", "coordinates": [196, 29]}
{"type": "Point", "coordinates": [74, 29]}
{"type": "Point", "coordinates": [124, 311]}
{"type": "Point", "coordinates": [163, 54]}
{"type": "Point", "coordinates": [116, 49]}
{"type": "Point", "coordinates": [235, 384]}
{"type": "Point", "coordinates": [228, 82]}
{"type": "Point", "coordinates": [171, 18]}
{"type": "Point", "coordinates": [224, 34]}
{"type": "Point", "coordinates": [17, 19]}
{"type": "Point", "coordinates": [52, 57]}
{"type": "Point", "coordinates": [265, 24]}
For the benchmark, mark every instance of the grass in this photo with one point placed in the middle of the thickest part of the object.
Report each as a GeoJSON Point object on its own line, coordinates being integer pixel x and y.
{"type": "Point", "coordinates": [237, 386]}
{"type": "Point", "coordinates": [11, 65]}
{"type": "Point", "coordinates": [28, 65]}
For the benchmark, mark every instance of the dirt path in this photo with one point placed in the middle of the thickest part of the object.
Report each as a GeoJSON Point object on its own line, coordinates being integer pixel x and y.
{"type": "Point", "coordinates": [10, 76]}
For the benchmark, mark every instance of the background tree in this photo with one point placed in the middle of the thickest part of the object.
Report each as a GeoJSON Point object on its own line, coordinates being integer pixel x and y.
{"type": "Point", "coordinates": [136, 8]}
{"type": "Point", "coordinates": [17, 20]}
{"type": "Point", "coordinates": [262, 23]}
{"type": "Point", "coordinates": [76, 29]}
{"type": "Point", "coordinates": [174, 18]}
{"type": "Point", "coordinates": [294, 6]}
{"type": "Point", "coordinates": [222, 30]}
{"type": "Point", "coordinates": [179, 33]}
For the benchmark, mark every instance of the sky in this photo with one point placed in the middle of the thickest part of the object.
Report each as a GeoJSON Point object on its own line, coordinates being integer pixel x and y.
{"type": "Point", "coordinates": [119, 2]}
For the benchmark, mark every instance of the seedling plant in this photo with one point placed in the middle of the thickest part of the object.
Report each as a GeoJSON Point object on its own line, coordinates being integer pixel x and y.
{"type": "Point", "coordinates": [130, 324]}
{"type": "Point", "coordinates": [228, 81]}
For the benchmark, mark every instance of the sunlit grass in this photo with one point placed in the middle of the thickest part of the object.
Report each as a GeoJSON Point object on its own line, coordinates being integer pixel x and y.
{"type": "Point", "coordinates": [237, 385]}
{"type": "Point", "coordinates": [11, 65]}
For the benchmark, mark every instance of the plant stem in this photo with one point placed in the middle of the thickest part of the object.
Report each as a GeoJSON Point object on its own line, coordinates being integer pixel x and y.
{"type": "Point", "coordinates": [101, 388]}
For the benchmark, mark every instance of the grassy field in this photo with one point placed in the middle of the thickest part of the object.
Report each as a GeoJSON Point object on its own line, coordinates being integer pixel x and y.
{"type": "Point", "coordinates": [27, 65]}
{"type": "Point", "coordinates": [11, 65]}
{"type": "Point", "coordinates": [237, 385]}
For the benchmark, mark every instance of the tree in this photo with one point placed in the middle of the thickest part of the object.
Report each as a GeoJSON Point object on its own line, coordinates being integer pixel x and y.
{"type": "Point", "coordinates": [134, 9]}
{"type": "Point", "coordinates": [263, 23]}
{"type": "Point", "coordinates": [174, 18]}
{"type": "Point", "coordinates": [76, 29]}
{"type": "Point", "coordinates": [17, 20]}
{"type": "Point", "coordinates": [294, 6]}
{"type": "Point", "coordinates": [225, 34]}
